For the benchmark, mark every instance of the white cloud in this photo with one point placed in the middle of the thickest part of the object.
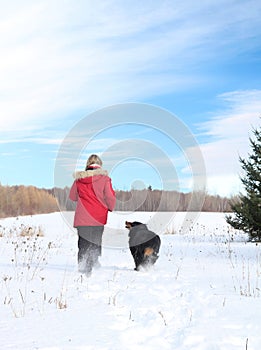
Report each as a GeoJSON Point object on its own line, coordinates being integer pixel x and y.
{"type": "Point", "coordinates": [58, 57]}
{"type": "Point", "coordinates": [230, 131]}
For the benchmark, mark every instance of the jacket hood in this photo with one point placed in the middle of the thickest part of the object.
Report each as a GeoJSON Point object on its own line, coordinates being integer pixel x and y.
{"type": "Point", "coordinates": [89, 173]}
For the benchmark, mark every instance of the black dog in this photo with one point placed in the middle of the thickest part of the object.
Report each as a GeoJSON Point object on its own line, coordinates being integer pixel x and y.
{"type": "Point", "coordinates": [144, 244]}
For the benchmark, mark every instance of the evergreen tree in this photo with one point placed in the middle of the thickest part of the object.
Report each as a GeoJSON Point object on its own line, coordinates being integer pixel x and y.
{"type": "Point", "coordinates": [247, 212]}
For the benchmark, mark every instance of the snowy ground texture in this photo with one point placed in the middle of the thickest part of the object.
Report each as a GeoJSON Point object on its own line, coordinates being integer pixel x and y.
{"type": "Point", "coordinates": [204, 293]}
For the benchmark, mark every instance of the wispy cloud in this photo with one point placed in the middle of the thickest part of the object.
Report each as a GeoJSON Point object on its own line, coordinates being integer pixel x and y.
{"type": "Point", "coordinates": [229, 133]}
{"type": "Point", "coordinates": [38, 140]}
{"type": "Point", "coordinates": [62, 60]}
{"type": "Point", "coordinates": [59, 57]}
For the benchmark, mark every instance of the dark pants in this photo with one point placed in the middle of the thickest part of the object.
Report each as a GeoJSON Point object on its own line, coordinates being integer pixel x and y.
{"type": "Point", "coordinates": [89, 246]}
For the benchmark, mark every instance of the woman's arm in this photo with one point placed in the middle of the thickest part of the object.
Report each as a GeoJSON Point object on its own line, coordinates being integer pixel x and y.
{"type": "Point", "coordinates": [73, 192]}
{"type": "Point", "coordinates": [109, 195]}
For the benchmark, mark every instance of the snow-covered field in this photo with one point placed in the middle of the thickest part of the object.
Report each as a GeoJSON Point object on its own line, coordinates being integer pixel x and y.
{"type": "Point", "coordinates": [203, 293]}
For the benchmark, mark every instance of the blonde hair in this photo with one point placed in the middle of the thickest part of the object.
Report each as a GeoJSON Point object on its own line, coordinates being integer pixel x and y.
{"type": "Point", "coordinates": [93, 159]}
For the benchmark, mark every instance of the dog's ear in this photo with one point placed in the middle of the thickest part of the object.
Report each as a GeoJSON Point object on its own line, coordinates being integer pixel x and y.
{"type": "Point", "coordinates": [128, 224]}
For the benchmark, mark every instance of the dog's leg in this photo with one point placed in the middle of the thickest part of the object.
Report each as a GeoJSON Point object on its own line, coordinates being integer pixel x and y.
{"type": "Point", "coordinates": [148, 251]}
{"type": "Point", "coordinates": [150, 257]}
{"type": "Point", "coordinates": [135, 255]}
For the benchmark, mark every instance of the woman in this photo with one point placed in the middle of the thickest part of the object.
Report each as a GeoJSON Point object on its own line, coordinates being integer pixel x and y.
{"type": "Point", "coordinates": [92, 189]}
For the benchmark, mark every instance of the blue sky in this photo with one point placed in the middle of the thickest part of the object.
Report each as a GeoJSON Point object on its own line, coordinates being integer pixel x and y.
{"type": "Point", "coordinates": [63, 61]}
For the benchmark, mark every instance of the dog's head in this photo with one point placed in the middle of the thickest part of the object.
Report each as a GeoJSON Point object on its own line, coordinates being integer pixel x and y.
{"type": "Point", "coordinates": [129, 224]}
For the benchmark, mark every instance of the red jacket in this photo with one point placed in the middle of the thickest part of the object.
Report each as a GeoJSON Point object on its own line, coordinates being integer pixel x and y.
{"type": "Point", "coordinates": [92, 189]}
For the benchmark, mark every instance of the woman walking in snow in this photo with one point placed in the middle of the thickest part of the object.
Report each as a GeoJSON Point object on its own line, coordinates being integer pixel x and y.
{"type": "Point", "coordinates": [93, 192]}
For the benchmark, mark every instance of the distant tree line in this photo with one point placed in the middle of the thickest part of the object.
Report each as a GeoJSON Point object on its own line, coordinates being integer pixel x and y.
{"type": "Point", "coordinates": [30, 200]}
{"type": "Point", "coordinates": [25, 200]}
{"type": "Point", "coordinates": [157, 200]}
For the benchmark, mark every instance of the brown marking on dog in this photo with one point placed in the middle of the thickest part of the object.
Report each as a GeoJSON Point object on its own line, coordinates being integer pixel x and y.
{"type": "Point", "coordinates": [148, 251]}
